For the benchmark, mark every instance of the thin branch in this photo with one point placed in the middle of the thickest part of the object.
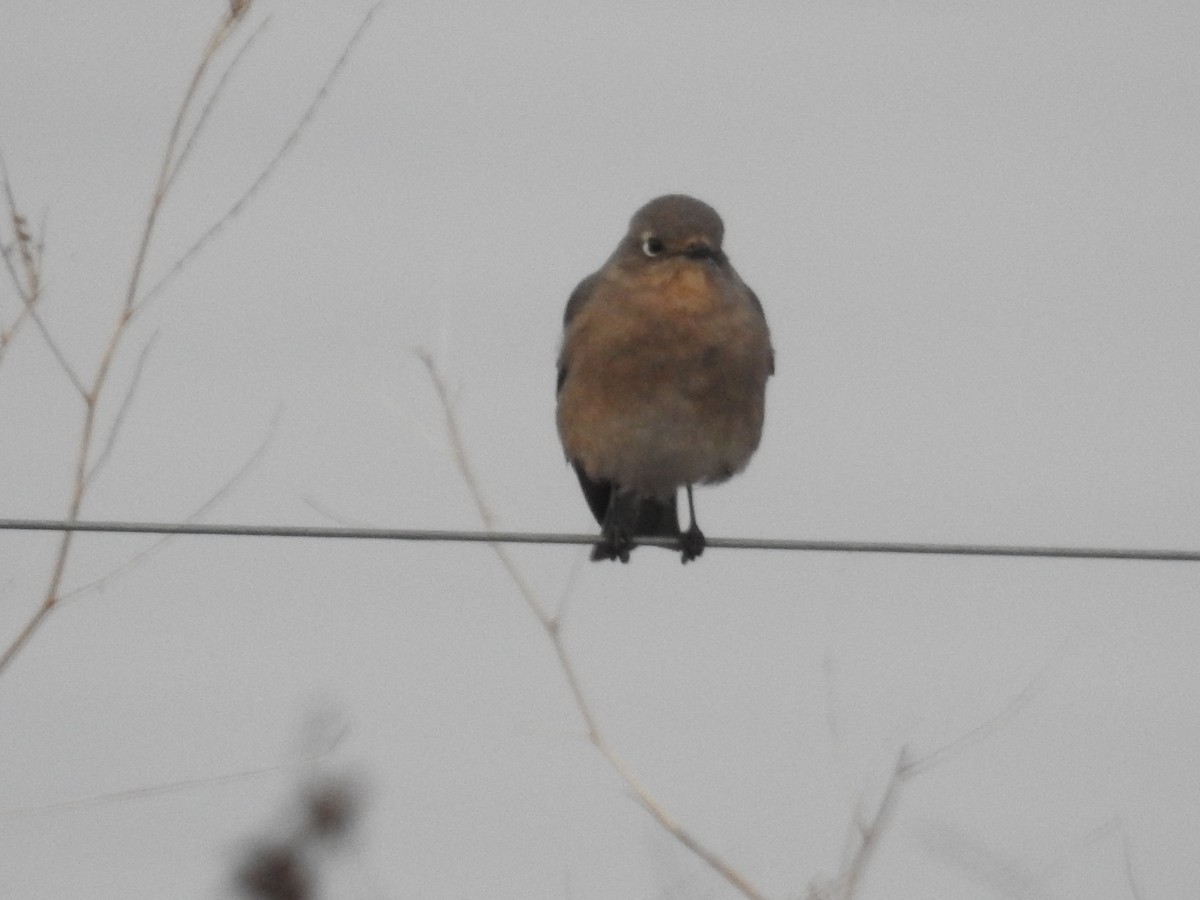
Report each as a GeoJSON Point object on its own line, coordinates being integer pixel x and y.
{"type": "Point", "coordinates": [35, 621]}
{"type": "Point", "coordinates": [87, 432]}
{"type": "Point", "coordinates": [16, 222]}
{"type": "Point", "coordinates": [91, 396]}
{"type": "Point", "coordinates": [119, 418]}
{"type": "Point", "coordinates": [85, 467]}
{"type": "Point", "coordinates": [1130, 875]}
{"type": "Point", "coordinates": [59, 356]}
{"type": "Point", "coordinates": [29, 294]}
{"type": "Point", "coordinates": [210, 103]}
{"type": "Point", "coordinates": [551, 626]}
{"type": "Point", "coordinates": [1115, 825]}
{"type": "Point", "coordinates": [1017, 878]}
{"type": "Point", "coordinates": [829, 669]}
{"type": "Point", "coordinates": [871, 832]}
{"type": "Point", "coordinates": [1001, 875]}
{"type": "Point", "coordinates": [168, 169]}
{"type": "Point", "coordinates": [267, 171]}
{"type": "Point", "coordinates": [458, 447]}
{"type": "Point", "coordinates": [322, 510]}
{"type": "Point", "coordinates": [29, 285]}
{"type": "Point", "coordinates": [981, 732]}
{"type": "Point", "coordinates": [216, 497]}
{"type": "Point", "coordinates": [174, 787]}
{"type": "Point", "coordinates": [866, 837]}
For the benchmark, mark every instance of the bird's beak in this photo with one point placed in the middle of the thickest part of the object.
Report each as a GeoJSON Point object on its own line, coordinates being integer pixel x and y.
{"type": "Point", "coordinates": [699, 250]}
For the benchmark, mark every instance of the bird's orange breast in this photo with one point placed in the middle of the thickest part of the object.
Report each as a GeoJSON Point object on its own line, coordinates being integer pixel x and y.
{"type": "Point", "coordinates": [665, 375]}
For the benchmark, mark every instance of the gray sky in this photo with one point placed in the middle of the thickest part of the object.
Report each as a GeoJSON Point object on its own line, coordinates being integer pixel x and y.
{"type": "Point", "coordinates": [973, 228]}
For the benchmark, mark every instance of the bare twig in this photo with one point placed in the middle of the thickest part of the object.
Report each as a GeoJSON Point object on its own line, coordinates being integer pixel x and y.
{"type": "Point", "coordinates": [267, 171]}
{"type": "Point", "coordinates": [92, 394]}
{"type": "Point", "coordinates": [308, 757]}
{"type": "Point", "coordinates": [871, 831]}
{"type": "Point", "coordinates": [210, 103]}
{"type": "Point", "coordinates": [984, 730]}
{"type": "Point", "coordinates": [216, 497]}
{"type": "Point", "coordinates": [861, 846]}
{"type": "Point", "coordinates": [322, 510]}
{"type": "Point", "coordinates": [58, 355]}
{"type": "Point", "coordinates": [551, 625]}
{"type": "Point", "coordinates": [168, 170]}
{"type": "Point", "coordinates": [866, 834]}
{"type": "Point", "coordinates": [458, 447]}
{"type": "Point", "coordinates": [9, 332]}
{"type": "Point", "coordinates": [1112, 827]}
{"type": "Point", "coordinates": [23, 260]}
{"type": "Point", "coordinates": [1018, 878]}
{"type": "Point", "coordinates": [179, 142]}
{"type": "Point", "coordinates": [26, 276]}
{"type": "Point", "coordinates": [119, 418]}
{"type": "Point", "coordinates": [1130, 875]}
{"type": "Point", "coordinates": [1000, 874]}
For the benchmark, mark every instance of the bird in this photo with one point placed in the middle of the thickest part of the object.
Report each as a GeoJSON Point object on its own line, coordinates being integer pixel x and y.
{"type": "Point", "coordinates": [662, 375]}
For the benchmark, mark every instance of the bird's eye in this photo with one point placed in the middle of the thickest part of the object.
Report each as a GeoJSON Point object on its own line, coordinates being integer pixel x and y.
{"type": "Point", "coordinates": [651, 245]}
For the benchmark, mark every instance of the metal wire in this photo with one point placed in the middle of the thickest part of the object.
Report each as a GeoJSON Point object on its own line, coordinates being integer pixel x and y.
{"type": "Point", "coordinates": [515, 537]}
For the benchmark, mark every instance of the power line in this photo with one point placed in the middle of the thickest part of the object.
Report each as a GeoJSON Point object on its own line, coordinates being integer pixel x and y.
{"type": "Point", "coordinates": [521, 537]}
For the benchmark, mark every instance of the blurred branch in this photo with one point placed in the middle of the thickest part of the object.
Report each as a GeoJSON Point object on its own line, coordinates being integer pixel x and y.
{"type": "Point", "coordinates": [1130, 875]}
{"type": "Point", "coordinates": [286, 868]}
{"type": "Point", "coordinates": [998, 874]}
{"type": "Point", "coordinates": [980, 732]}
{"type": "Point", "coordinates": [867, 834]}
{"type": "Point", "coordinates": [551, 625]}
{"type": "Point", "coordinates": [1020, 878]}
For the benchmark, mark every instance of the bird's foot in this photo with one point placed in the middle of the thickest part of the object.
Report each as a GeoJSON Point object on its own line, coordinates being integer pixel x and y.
{"type": "Point", "coordinates": [614, 543]}
{"type": "Point", "coordinates": [691, 543]}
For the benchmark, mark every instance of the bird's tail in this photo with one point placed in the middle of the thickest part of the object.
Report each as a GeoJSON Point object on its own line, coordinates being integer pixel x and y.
{"type": "Point", "coordinates": [652, 517]}
{"type": "Point", "coordinates": [657, 518]}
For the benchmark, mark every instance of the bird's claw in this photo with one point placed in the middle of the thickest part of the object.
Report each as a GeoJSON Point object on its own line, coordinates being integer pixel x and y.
{"type": "Point", "coordinates": [691, 543]}
{"type": "Point", "coordinates": [615, 543]}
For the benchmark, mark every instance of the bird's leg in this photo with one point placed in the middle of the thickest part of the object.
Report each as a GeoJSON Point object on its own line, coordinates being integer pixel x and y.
{"type": "Point", "coordinates": [616, 531]}
{"type": "Point", "coordinates": [691, 542]}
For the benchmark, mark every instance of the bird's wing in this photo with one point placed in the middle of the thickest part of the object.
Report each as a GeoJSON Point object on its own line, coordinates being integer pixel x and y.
{"type": "Point", "coordinates": [758, 306]}
{"type": "Point", "coordinates": [580, 297]}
